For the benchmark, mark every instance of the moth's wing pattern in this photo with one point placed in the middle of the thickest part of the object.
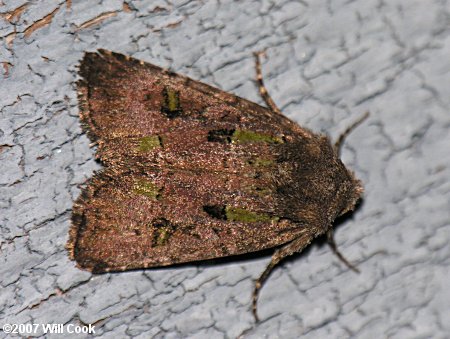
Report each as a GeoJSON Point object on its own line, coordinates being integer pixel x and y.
{"type": "Point", "coordinates": [122, 96]}
{"type": "Point", "coordinates": [187, 174]}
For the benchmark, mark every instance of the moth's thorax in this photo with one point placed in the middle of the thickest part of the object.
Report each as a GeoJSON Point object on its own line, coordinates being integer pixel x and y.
{"type": "Point", "coordinates": [349, 193]}
{"type": "Point", "coordinates": [317, 187]}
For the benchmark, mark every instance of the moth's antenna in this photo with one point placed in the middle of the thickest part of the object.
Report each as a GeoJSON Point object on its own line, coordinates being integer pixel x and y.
{"type": "Point", "coordinates": [340, 140]}
{"type": "Point", "coordinates": [262, 89]}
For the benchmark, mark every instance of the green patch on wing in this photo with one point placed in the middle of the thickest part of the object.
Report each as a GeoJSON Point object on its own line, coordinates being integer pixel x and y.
{"type": "Point", "coordinates": [162, 237]}
{"type": "Point", "coordinates": [244, 215]}
{"type": "Point", "coordinates": [163, 230]}
{"type": "Point", "coordinates": [260, 162]}
{"type": "Point", "coordinates": [148, 143]}
{"type": "Point", "coordinates": [173, 100]}
{"type": "Point", "coordinates": [147, 188]}
{"type": "Point", "coordinates": [171, 105]}
{"type": "Point", "coordinates": [246, 136]}
{"type": "Point", "coordinates": [260, 191]}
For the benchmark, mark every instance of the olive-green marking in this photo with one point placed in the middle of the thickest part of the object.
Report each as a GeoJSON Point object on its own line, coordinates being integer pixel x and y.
{"type": "Point", "coordinates": [163, 230]}
{"type": "Point", "coordinates": [259, 191]}
{"type": "Point", "coordinates": [246, 136]}
{"type": "Point", "coordinates": [171, 105]}
{"type": "Point", "coordinates": [147, 188]}
{"type": "Point", "coordinates": [148, 143]}
{"type": "Point", "coordinates": [260, 162]}
{"type": "Point", "coordinates": [163, 236]}
{"type": "Point", "coordinates": [243, 215]}
{"type": "Point", "coordinates": [237, 214]}
{"type": "Point", "coordinates": [173, 102]}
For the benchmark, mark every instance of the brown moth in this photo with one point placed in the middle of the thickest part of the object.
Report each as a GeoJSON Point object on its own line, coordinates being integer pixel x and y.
{"type": "Point", "coordinates": [194, 173]}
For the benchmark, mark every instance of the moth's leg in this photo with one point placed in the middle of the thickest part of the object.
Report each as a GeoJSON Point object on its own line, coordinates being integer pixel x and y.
{"type": "Point", "coordinates": [296, 245]}
{"type": "Point", "coordinates": [262, 89]}
{"type": "Point", "coordinates": [332, 243]}
{"type": "Point", "coordinates": [340, 140]}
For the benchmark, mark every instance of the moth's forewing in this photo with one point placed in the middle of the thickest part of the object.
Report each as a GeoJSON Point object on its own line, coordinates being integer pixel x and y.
{"type": "Point", "coordinates": [192, 172]}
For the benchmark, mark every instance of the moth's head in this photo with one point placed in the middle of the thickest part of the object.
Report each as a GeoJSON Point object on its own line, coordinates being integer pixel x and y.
{"type": "Point", "coordinates": [349, 193]}
{"type": "Point", "coordinates": [340, 189]}
{"type": "Point", "coordinates": [318, 186]}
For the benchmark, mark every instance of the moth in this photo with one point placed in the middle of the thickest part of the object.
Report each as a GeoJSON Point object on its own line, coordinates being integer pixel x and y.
{"type": "Point", "coordinates": [194, 173]}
